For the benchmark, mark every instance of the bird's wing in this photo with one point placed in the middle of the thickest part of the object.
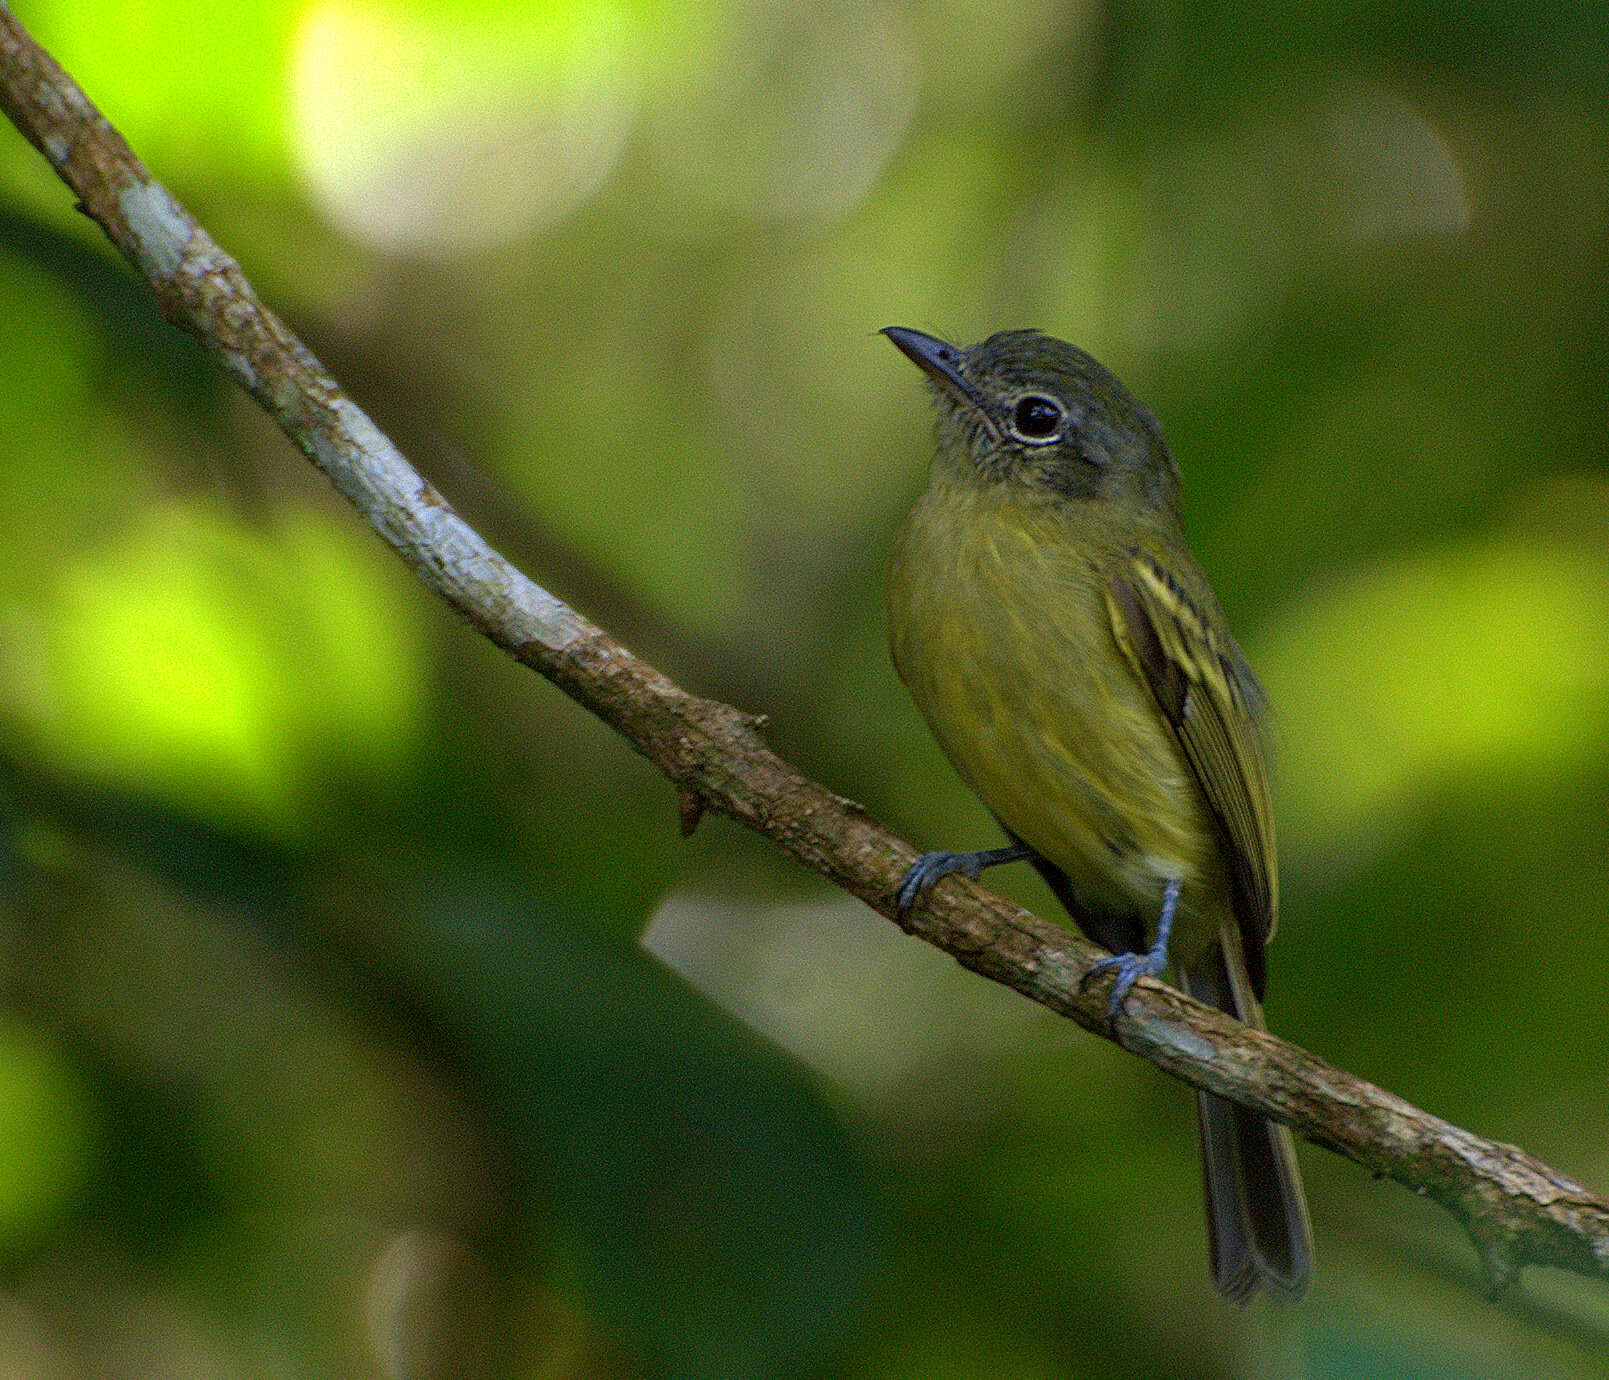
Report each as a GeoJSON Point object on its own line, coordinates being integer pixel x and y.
{"type": "Point", "coordinates": [1212, 703]}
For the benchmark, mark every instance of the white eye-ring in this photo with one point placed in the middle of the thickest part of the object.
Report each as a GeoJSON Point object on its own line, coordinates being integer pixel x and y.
{"type": "Point", "coordinates": [1037, 420]}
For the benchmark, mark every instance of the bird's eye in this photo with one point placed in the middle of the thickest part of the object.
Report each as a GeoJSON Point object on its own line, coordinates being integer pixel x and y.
{"type": "Point", "coordinates": [1036, 418]}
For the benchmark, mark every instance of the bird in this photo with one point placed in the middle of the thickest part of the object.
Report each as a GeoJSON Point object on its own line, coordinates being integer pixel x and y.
{"type": "Point", "coordinates": [1067, 652]}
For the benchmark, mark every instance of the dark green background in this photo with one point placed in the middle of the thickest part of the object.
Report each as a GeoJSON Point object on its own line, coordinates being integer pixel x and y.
{"type": "Point", "coordinates": [330, 1044]}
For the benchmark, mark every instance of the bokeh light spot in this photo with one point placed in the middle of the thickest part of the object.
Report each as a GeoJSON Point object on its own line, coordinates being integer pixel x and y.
{"type": "Point", "coordinates": [788, 112]}
{"type": "Point", "coordinates": [450, 128]}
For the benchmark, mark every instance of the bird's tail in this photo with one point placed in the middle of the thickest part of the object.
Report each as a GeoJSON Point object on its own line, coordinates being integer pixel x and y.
{"type": "Point", "coordinates": [1257, 1226]}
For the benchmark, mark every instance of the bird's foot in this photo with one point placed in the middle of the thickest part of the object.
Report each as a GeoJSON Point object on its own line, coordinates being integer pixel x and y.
{"type": "Point", "coordinates": [1130, 968]}
{"type": "Point", "coordinates": [928, 868]}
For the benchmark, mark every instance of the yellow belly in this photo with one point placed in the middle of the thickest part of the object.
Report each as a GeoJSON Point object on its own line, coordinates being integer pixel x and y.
{"type": "Point", "coordinates": [999, 627]}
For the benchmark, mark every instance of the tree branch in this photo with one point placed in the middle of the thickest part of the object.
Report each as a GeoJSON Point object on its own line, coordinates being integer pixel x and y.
{"type": "Point", "coordinates": [1518, 1211]}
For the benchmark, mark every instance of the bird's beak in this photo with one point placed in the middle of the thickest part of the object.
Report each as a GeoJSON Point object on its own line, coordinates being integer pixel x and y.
{"type": "Point", "coordinates": [941, 362]}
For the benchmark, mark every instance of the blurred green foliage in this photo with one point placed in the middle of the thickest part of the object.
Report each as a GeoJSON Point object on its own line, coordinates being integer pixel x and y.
{"type": "Point", "coordinates": [364, 1014]}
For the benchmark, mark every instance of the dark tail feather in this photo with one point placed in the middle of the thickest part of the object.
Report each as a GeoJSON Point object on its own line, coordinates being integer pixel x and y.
{"type": "Point", "coordinates": [1257, 1227]}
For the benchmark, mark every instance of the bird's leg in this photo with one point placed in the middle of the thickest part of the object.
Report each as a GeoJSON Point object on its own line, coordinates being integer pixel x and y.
{"type": "Point", "coordinates": [1130, 967]}
{"type": "Point", "coordinates": [931, 866]}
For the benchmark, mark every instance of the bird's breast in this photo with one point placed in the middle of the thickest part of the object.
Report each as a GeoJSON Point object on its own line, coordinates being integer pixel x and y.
{"type": "Point", "coordinates": [999, 627]}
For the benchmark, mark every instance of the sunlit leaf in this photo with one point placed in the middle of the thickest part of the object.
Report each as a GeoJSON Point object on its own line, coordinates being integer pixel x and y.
{"type": "Point", "coordinates": [197, 87]}
{"type": "Point", "coordinates": [231, 671]}
{"type": "Point", "coordinates": [1467, 663]}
